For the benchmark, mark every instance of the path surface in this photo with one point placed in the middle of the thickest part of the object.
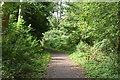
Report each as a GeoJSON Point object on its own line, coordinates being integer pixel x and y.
{"type": "Point", "coordinates": [62, 67]}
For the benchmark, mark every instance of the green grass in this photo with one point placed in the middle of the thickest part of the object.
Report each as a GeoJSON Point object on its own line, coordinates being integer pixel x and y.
{"type": "Point", "coordinates": [38, 67]}
{"type": "Point", "coordinates": [107, 68]}
{"type": "Point", "coordinates": [41, 65]}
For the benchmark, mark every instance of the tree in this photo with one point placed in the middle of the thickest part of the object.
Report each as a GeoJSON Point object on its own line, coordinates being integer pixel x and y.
{"type": "Point", "coordinates": [37, 14]}
{"type": "Point", "coordinates": [8, 8]}
{"type": "Point", "coordinates": [5, 17]}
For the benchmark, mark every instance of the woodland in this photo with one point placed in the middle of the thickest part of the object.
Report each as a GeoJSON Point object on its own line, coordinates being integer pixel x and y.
{"type": "Point", "coordinates": [88, 31]}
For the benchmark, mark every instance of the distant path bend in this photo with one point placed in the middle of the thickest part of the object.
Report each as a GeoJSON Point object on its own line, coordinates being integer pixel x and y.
{"type": "Point", "coordinates": [62, 67]}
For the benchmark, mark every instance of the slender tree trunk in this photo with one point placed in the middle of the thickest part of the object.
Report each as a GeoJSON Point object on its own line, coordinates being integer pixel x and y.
{"type": "Point", "coordinates": [60, 9]}
{"type": "Point", "coordinates": [16, 14]}
{"type": "Point", "coordinates": [19, 14]}
{"type": "Point", "coordinates": [57, 11]}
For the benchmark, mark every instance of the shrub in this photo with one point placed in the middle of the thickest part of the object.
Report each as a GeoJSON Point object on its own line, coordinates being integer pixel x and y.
{"type": "Point", "coordinates": [20, 49]}
{"type": "Point", "coordinates": [56, 39]}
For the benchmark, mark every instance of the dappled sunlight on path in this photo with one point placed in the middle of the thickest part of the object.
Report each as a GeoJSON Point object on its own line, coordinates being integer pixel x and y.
{"type": "Point", "coordinates": [62, 67]}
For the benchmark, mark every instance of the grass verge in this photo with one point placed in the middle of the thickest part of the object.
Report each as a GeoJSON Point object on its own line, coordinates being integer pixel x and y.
{"type": "Point", "coordinates": [98, 66]}
{"type": "Point", "coordinates": [37, 68]}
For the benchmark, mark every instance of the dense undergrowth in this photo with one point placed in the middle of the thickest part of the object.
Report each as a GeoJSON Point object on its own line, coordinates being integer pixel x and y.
{"type": "Point", "coordinates": [23, 56]}
{"type": "Point", "coordinates": [56, 40]}
{"type": "Point", "coordinates": [23, 24]}
{"type": "Point", "coordinates": [97, 64]}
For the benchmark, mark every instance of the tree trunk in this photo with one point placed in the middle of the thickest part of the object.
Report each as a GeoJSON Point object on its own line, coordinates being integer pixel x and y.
{"type": "Point", "coordinates": [19, 14]}
{"type": "Point", "coordinates": [60, 9]}
{"type": "Point", "coordinates": [19, 17]}
{"type": "Point", "coordinates": [5, 19]}
{"type": "Point", "coordinates": [57, 11]}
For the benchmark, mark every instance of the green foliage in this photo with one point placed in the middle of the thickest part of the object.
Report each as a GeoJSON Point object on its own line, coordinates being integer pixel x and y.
{"type": "Point", "coordinates": [34, 13]}
{"type": "Point", "coordinates": [94, 23]}
{"type": "Point", "coordinates": [82, 47]}
{"type": "Point", "coordinates": [97, 66]}
{"type": "Point", "coordinates": [22, 53]}
{"type": "Point", "coordinates": [37, 14]}
{"type": "Point", "coordinates": [91, 30]}
{"type": "Point", "coordinates": [23, 56]}
{"type": "Point", "coordinates": [55, 38]}
{"type": "Point", "coordinates": [96, 63]}
{"type": "Point", "coordinates": [10, 7]}
{"type": "Point", "coordinates": [53, 22]}
{"type": "Point", "coordinates": [59, 37]}
{"type": "Point", "coordinates": [98, 24]}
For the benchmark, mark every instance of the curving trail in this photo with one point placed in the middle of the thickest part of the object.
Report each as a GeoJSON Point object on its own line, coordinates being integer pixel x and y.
{"type": "Point", "coordinates": [62, 67]}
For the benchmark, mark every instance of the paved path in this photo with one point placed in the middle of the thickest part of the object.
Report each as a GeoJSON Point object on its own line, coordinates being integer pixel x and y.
{"type": "Point", "coordinates": [62, 67]}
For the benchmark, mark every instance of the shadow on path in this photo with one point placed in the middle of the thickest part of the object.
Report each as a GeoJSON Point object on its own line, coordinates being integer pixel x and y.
{"type": "Point", "coordinates": [62, 67]}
